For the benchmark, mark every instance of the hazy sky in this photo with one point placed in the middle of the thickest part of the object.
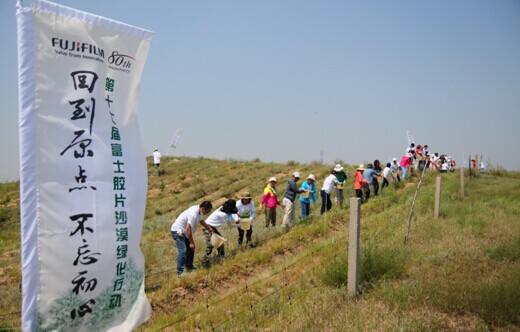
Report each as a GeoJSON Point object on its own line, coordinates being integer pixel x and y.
{"type": "Point", "coordinates": [285, 80]}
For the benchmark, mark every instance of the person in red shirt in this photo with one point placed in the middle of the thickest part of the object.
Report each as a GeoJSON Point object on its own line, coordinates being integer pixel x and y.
{"type": "Point", "coordinates": [359, 182]}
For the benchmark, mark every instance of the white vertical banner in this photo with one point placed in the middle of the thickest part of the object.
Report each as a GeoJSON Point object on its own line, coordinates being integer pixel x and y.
{"type": "Point", "coordinates": [83, 176]}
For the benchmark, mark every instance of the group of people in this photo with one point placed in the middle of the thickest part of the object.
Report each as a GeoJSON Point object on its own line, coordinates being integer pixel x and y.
{"type": "Point", "coordinates": [419, 157]}
{"type": "Point", "coordinates": [231, 212]}
{"type": "Point", "coordinates": [234, 212]}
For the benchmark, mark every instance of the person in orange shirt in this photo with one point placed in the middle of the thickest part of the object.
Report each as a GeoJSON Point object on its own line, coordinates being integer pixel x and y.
{"type": "Point", "coordinates": [359, 182]}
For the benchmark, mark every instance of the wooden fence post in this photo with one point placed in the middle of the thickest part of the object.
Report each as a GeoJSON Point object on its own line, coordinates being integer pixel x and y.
{"type": "Point", "coordinates": [353, 246]}
{"type": "Point", "coordinates": [437, 198]}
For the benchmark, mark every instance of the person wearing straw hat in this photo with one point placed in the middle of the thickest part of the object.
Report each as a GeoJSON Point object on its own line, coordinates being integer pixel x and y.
{"type": "Point", "coordinates": [342, 178]}
{"type": "Point", "coordinates": [328, 185]}
{"type": "Point", "coordinates": [309, 188]}
{"type": "Point", "coordinates": [359, 182]}
{"type": "Point", "coordinates": [246, 210]}
{"type": "Point", "coordinates": [182, 232]}
{"type": "Point", "coordinates": [270, 201]}
{"type": "Point", "coordinates": [226, 214]}
{"type": "Point", "coordinates": [156, 160]}
{"type": "Point", "coordinates": [291, 190]}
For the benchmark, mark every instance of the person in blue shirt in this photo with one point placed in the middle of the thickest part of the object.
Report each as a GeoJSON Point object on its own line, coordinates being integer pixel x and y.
{"type": "Point", "coordinates": [369, 175]}
{"type": "Point", "coordinates": [309, 187]}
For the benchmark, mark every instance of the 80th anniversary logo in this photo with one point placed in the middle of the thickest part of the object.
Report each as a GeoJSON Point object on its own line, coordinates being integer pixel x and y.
{"type": "Point", "coordinates": [80, 50]}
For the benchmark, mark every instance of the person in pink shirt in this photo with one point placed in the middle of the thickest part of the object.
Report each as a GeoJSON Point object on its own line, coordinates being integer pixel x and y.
{"type": "Point", "coordinates": [406, 161]}
{"type": "Point", "coordinates": [270, 201]}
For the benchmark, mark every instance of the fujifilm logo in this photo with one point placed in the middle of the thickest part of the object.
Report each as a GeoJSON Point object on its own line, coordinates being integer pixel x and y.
{"type": "Point", "coordinates": [64, 45]}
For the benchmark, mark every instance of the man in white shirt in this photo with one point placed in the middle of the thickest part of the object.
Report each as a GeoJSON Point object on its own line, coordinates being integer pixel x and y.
{"type": "Point", "coordinates": [328, 185]}
{"type": "Point", "coordinates": [226, 214]}
{"type": "Point", "coordinates": [387, 175]}
{"type": "Point", "coordinates": [410, 148]}
{"type": "Point", "coordinates": [445, 167]}
{"type": "Point", "coordinates": [182, 232]}
{"type": "Point", "coordinates": [395, 169]}
{"type": "Point", "coordinates": [156, 160]}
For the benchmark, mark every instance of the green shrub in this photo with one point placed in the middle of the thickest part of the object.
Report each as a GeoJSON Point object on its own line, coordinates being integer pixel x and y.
{"type": "Point", "coordinates": [506, 251]}
{"type": "Point", "coordinates": [375, 264]}
{"type": "Point", "coordinates": [335, 274]}
{"type": "Point", "coordinates": [4, 214]}
{"type": "Point", "coordinates": [380, 263]}
{"type": "Point", "coordinates": [496, 302]}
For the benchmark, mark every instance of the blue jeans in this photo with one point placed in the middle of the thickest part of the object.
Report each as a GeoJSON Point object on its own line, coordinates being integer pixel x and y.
{"type": "Point", "coordinates": [185, 254]}
{"type": "Point", "coordinates": [404, 172]}
{"type": "Point", "coordinates": [306, 208]}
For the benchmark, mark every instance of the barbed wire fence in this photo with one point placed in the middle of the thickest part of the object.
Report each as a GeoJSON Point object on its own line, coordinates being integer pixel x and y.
{"type": "Point", "coordinates": [255, 304]}
{"type": "Point", "coordinates": [247, 288]}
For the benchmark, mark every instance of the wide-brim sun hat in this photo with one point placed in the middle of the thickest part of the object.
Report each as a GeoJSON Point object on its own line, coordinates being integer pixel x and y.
{"type": "Point", "coordinates": [395, 159]}
{"type": "Point", "coordinates": [338, 168]}
{"type": "Point", "coordinates": [246, 195]}
{"type": "Point", "coordinates": [273, 179]}
{"type": "Point", "coordinates": [311, 177]}
{"type": "Point", "coordinates": [361, 167]}
{"type": "Point", "coordinates": [296, 175]}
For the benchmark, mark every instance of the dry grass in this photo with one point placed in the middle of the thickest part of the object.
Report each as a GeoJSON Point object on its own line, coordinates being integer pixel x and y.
{"type": "Point", "coordinates": [460, 273]}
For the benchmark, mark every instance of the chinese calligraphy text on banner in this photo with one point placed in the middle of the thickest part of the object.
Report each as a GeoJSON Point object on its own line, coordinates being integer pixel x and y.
{"type": "Point", "coordinates": [83, 170]}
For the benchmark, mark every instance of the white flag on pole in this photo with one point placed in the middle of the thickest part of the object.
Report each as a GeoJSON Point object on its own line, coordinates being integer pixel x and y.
{"type": "Point", "coordinates": [83, 170]}
{"type": "Point", "coordinates": [409, 135]}
{"type": "Point", "coordinates": [175, 139]}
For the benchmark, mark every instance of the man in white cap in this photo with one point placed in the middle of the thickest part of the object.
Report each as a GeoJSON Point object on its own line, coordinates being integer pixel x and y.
{"type": "Point", "coordinates": [342, 178]}
{"type": "Point", "coordinates": [156, 160]}
{"type": "Point", "coordinates": [288, 200]}
{"type": "Point", "coordinates": [395, 169]}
